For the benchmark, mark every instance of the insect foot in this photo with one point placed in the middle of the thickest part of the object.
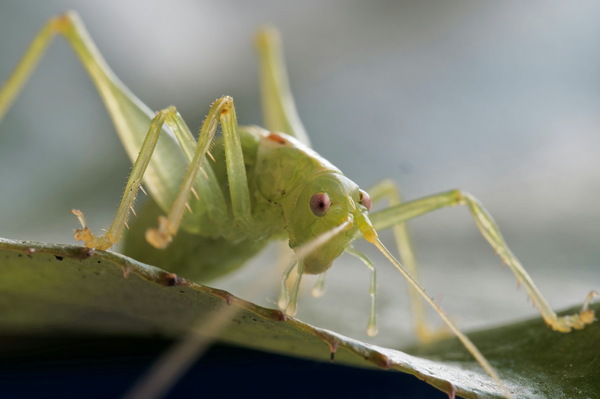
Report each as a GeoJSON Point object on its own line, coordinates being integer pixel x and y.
{"type": "Point", "coordinates": [162, 236]}
{"type": "Point", "coordinates": [90, 240]}
{"type": "Point", "coordinates": [577, 321]}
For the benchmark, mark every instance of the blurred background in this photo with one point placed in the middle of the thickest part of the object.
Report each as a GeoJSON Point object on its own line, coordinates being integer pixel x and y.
{"type": "Point", "coordinates": [498, 99]}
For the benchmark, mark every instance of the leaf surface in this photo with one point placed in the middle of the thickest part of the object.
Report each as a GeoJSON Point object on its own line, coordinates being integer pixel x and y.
{"type": "Point", "coordinates": [49, 289]}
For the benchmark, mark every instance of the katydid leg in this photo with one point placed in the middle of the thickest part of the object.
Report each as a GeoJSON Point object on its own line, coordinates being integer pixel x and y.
{"type": "Point", "coordinates": [112, 236]}
{"type": "Point", "coordinates": [132, 120]}
{"type": "Point", "coordinates": [389, 190]}
{"type": "Point", "coordinates": [114, 232]}
{"type": "Point", "coordinates": [372, 326]}
{"type": "Point", "coordinates": [223, 112]}
{"type": "Point", "coordinates": [288, 299]}
{"type": "Point", "coordinates": [130, 116]}
{"type": "Point", "coordinates": [400, 213]}
{"type": "Point", "coordinates": [279, 109]}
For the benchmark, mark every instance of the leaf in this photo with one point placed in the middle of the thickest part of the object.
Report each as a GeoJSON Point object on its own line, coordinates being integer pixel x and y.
{"type": "Point", "coordinates": [550, 364]}
{"type": "Point", "coordinates": [48, 289]}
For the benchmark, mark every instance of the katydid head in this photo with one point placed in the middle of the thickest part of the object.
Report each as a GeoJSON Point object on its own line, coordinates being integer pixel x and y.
{"type": "Point", "coordinates": [327, 201]}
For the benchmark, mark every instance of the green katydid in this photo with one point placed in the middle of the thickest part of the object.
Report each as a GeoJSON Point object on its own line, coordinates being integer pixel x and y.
{"type": "Point", "coordinates": [225, 198]}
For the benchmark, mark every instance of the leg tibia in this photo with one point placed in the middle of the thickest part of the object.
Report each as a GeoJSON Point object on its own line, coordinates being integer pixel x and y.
{"type": "Point", "coordinates": [279, 109]}
{"type": "Point", "coordinates": [387, 189]}
{"type": "Point", "coordinates": [489, 229]}
{"type": "Point", "coordinates": [223, 112]}
{"type": "Point", "coordinates": [372, 326]}
{"type": "Point", "coordinates": [23, 70]}
{"type": "Point", "coordinates": [131, 117]}
{"type": "Point", "coordinates": [115, 231]}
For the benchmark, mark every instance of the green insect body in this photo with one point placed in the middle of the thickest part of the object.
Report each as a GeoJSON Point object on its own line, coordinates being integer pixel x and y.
{"type": "Point", "coordinates": [283, 175]}
{"type": "Point", "coordinates": [226, 197]}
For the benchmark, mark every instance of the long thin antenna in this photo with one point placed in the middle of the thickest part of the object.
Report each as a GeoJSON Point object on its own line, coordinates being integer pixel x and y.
{"type": "Point", "coordinates": [469, 345]}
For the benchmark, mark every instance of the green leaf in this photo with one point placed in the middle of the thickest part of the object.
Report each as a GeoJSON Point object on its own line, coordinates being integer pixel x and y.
{"type": "Point", "coordinates": [47, 289]}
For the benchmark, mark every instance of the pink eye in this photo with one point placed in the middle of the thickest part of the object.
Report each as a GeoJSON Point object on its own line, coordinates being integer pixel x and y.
{"type": "Point", "coordinates": [365, 199]}
{"type": "Point", "coordinates": [319, 204]}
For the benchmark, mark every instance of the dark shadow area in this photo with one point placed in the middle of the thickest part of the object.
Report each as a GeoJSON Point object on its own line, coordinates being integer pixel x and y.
{"type": "Point", "coordinates": [76, 367]}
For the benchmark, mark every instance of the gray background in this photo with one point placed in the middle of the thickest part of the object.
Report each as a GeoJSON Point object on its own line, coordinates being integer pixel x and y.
{"type": "Point", "coordinates": [500, 99]}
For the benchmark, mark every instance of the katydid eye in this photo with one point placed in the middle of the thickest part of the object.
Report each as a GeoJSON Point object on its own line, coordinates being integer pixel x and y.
{"type": "Point", "coordinates": [365, 199]}
{"type": "Point", "coordinates": [319, 204]}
